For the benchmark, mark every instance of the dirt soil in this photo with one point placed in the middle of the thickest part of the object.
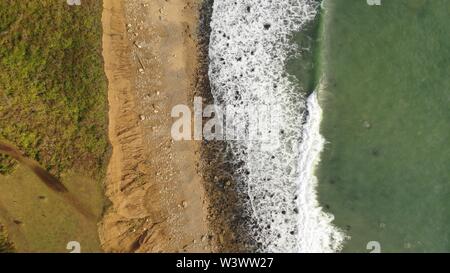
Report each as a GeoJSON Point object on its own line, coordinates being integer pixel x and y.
{"type": "Point", "coordinates": [157, 194]}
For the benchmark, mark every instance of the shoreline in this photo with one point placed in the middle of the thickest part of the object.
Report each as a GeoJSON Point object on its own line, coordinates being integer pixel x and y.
{"type": "Point", "coordinates": [274, 207]}
{"type": "Point", "coordinates": [226, 209]}
{"type": "Point", "coordinates": [156, 190]}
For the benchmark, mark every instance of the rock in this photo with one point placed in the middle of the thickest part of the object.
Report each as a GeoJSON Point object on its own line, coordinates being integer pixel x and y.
{"type": "Point", "coordinates": [184, 204]}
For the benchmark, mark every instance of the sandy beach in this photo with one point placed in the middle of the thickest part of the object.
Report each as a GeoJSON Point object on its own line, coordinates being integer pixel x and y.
{"type": "Point", "coordinates": [156, 193]}
{"type": "Point", "coordinates": [226, 127]}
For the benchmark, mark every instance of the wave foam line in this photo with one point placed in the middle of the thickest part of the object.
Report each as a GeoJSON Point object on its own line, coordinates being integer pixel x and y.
{"type": "Point", "coordinates": [316, 231]}
{"type": "Point", "coordinates": [249, 48]}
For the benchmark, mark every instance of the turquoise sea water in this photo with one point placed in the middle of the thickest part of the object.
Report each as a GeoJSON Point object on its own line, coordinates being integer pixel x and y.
{"type": "Point", "coordinates": [385, 172]}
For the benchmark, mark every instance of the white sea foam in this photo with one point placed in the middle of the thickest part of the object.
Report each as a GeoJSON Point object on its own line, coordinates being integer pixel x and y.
{"type": "Point", "coordinates": [249, 48]}
{"type": "Point", "coordinates": [316, 232]}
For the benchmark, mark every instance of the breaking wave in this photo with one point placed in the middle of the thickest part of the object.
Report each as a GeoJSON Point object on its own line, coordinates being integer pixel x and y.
{"type": "Point", "coordinates": [249, 47]}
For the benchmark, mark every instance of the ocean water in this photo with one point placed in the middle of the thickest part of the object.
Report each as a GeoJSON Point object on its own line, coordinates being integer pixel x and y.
{"type": "Point", "coordinates": [385, 167]}
{"type": "Point", "coordinates": [251, 46]}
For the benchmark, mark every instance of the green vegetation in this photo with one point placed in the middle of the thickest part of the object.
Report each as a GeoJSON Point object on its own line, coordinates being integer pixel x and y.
{"type": "Point", "coordinates": [53, 107]}
{"type": "Point", "coordinates": [7, 164]}
{"type": "Point", "coordinates": [5, 245]}
{"type": "Point", "coordinates": [53, 104]}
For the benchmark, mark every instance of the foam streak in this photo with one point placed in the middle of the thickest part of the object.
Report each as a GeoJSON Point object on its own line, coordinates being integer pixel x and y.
{"type": "Point", "coordinates": [249, 48]}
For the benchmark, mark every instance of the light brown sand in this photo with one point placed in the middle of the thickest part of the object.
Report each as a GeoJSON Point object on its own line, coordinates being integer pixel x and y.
{"type": "Point", "coordinates": [157, 196]}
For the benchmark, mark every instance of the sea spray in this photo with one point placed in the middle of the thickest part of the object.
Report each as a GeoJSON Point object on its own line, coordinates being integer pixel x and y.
{"type": "Point", "coordinates": [316, 232]}
{"type": "Point", "coordinates": [249, 48]}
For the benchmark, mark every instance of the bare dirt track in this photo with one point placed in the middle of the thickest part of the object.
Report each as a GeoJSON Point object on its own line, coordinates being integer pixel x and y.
{"type": "Point", "coordinates": [156, 192]}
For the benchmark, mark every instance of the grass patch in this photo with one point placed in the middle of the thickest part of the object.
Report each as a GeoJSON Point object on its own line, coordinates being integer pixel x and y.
{"type": "Point", "coordinates": [53, 102]}
{"type": "Point", "coordinates": [53, 107]}
{"type": "Point", "coordinates": [5, 245]}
